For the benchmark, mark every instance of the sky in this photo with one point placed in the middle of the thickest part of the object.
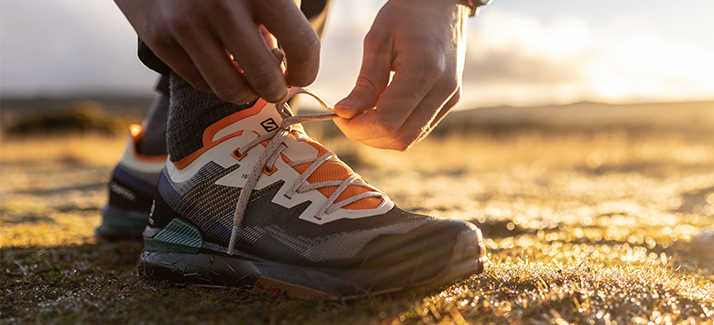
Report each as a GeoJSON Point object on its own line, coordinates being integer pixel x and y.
{"type": "Point", "coordinates": [520, 52]}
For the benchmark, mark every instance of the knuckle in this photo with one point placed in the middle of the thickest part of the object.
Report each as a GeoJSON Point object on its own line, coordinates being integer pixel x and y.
{"type": "Point", "coordinates": [432, 68]}
{"type": "Point", "coordinates": [157, 37]}
{"type": "Point", "coordinates": [214, 7]}
{"type": "Point", "coordinates": [404, 142]}
{"type": "Point", "coordinates": [456, 97]}
{"type": "Point", "coordinates": [199, 84]}
{"type": "Point", "coordinates": [451, 85]}
{"type": "Point", "coordinates": [180, 23]}
{"type": "Point", "coordinates": [308, 56]}
{"type": "Point", "coordinates": [309, 49]}
{"type": "Point", "coordinates": [234, 95]}
{"type": "Point", "coordinates": [376, 35]}
{"type": "Point", "coordinates": [374, 39]}
{"type": "Point", "coordinates": [366, 83]}
{"type": "Point", "coordinates": [447, 89]}
{"type": "Point", "coordinates": [268, 85]}
{"type": "Point", "coordinates": [385, 127]}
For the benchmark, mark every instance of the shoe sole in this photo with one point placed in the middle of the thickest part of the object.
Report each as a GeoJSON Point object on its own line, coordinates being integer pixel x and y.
{"type": "Point", "coordinates": [267, 277]}
{"type": "Point", "coordinates": [120, 224]}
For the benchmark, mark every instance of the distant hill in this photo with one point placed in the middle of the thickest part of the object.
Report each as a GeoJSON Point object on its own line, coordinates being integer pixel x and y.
{"type": "Point", "coordinates": [584, 115]}
{"type": "Point", "coordinates": [588, 114]}
{"type": "Point", "coordinates": [117, 104]}
{"type": "Point", "coordinates": [106, 114]}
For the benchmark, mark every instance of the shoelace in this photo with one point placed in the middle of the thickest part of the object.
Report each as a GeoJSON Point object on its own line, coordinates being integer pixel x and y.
{"type": "Point", "coordinates": [266, 163]}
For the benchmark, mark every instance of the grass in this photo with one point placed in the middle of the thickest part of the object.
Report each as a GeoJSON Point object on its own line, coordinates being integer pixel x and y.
{"type": "Point", "coordinates": [591, 227]}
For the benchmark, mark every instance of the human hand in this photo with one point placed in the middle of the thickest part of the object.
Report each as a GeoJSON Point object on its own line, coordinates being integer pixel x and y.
{"type": "Point", "coordinates": [217, 46]}
{"type": "Point", "coordinates": [424, 43]}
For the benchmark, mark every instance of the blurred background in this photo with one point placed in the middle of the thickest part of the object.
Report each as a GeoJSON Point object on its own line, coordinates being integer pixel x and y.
{"type": "Point", "coordinates": [583, 138]}
{"type": "Point", "coordinates": [520, 52]}
{"type": "Point", "coordinates": [79, 55]}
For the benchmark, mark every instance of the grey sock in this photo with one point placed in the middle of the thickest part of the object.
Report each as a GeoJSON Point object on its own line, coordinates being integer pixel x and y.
{"type": "Point", "coordinates": [191, 112]}
{"type": "Point", "coordinates": [153, 141]}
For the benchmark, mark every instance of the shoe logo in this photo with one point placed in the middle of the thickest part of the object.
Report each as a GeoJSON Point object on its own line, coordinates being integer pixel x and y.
{"type": "Point", "coordinates": [269, 125]}
{"type": "Point", "coordinates": [121, 190]}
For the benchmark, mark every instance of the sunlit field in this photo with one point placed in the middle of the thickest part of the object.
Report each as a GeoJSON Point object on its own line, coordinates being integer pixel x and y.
{"type": "Point", "coordinates": [597, 226]}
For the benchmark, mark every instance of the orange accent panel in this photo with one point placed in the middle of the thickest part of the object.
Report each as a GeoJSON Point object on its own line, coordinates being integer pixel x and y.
{"type": "Point", "coordinates": [285, 158]}
{"type": "Point", "coordinates": [301, 168]}
{"type": "Point", "coordinates": [330, 171]}
{"type": "Point", "coordinates": [211, 131]}
{"type": "Point", "coordinates": [327, 191]}
{"type": "Point", "coordinates": [183, 163]}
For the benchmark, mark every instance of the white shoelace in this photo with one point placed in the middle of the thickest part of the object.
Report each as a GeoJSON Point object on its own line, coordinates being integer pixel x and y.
{"type": "Point", "coordinates": [272, 152]}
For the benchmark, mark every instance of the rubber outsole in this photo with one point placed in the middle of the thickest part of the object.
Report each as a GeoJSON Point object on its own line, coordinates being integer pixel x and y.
{"type": "Point", "coordinates": [268, 277]}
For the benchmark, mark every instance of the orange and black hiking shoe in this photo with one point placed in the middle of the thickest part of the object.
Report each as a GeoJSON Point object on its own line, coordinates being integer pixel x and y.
{"type": "Point", "coordinates": [263, 206]}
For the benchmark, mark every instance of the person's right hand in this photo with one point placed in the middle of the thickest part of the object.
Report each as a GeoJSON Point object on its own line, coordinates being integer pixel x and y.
{"type": "Point", "coordinates": [216, 45]}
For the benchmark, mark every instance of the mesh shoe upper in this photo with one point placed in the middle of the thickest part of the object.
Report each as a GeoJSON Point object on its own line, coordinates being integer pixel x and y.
{"type": "Point", "coordinates": [290, 217]}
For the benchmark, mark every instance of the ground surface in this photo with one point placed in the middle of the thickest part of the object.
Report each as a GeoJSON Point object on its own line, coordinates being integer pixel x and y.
{"type": "Point", "coordinates": [595, 227]}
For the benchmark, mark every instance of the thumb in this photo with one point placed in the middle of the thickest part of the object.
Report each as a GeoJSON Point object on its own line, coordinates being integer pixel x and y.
{"type": "Point", "coordinates": [371, 82]}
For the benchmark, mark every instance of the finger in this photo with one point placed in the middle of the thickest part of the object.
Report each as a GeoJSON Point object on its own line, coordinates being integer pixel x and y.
{"type": "Point", "coordinates": [272, 44]}
{"type": "Point", "coordinates": [373, 77]}
{"type": "Point", "coordinates": [410, 85]}
{"type": "Point", "coordinates": [215, 65]}
{"type": "Point", "coordinates": [297, 38]}
{"type": "Point", "coordinates": [245, 41]}
{"type": "Point", "coordinates": [419, 124]}
{"type": "Point", "coordinates": [180, 62]}
{"type": "Point", "coordinates": [446, 109]}
{"type": "Point", "coordinates": [268, 38]}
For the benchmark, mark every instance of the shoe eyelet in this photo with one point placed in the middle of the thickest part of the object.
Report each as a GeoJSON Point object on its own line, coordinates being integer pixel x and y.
{"type": "Point", "coordinates": [236, 154]}
{"type": "Point", "coordinates": [269, 172]}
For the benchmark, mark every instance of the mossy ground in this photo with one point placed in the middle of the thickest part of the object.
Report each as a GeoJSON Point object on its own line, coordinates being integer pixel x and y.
{"type": "Point", "coordinates": [591, 228]}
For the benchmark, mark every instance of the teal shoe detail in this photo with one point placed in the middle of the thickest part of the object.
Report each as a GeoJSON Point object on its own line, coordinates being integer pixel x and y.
{"type": "Point", "coordinates": [113, 217]}
{"type": "Point", "coordinates": [176, 237]}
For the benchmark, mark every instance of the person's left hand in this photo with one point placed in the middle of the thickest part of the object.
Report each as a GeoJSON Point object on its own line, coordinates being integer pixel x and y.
{"type": "Point", "coordinates": [424, 43]}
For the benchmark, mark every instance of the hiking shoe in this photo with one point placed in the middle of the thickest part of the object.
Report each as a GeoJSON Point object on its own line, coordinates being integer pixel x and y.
{"type": "Point", "coordinates": [265, 207]}
{"type": "Point", "coordinates": [131, 193]}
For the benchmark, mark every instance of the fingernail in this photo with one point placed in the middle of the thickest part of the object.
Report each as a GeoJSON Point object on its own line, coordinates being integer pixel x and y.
{"type": "Point", "coordinates": [347, 102]}
{"type": "Point", "coordinates": [279, 54]}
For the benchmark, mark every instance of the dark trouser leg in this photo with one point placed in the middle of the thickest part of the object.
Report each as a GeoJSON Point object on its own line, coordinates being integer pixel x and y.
{"type": "Point", "coordinates": [153, 140]}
